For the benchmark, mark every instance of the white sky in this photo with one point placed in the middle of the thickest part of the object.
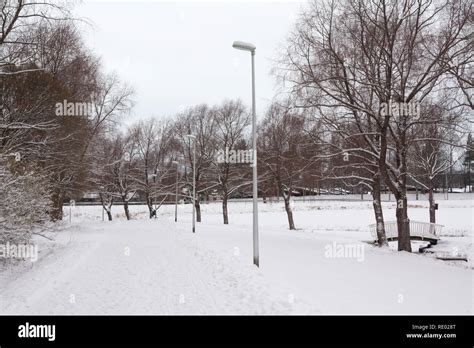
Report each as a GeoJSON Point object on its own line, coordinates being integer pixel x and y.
{"type": "Point", "coordinates": [177, 54]}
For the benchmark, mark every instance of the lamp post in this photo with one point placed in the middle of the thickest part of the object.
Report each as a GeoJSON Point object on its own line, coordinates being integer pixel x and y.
{"type": "Point", "coordinates": [193, 139]}
{"type": "Point", "coordinates": [72, 203]}
{"type": "Point", "coordinates": [176, 200]}
{"type": "Point", "coordinates": [100, 194]}
{"type": "Point", "coordinates": [251, 48]}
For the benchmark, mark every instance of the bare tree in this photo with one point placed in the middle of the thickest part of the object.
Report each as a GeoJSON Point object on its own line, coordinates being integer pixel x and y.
{"type": "Point", "coordinates": [229, 174]}
{"type": "Point", "coordinates": [19, 19]}
{"type": "Point", "coordinates": [197, 121]}
{"type": "Point", "coordinates": [431, 149]}
{"type": "Point", "coordinates": [152, 139]}
{"type": "Point", "coordinates": [283, 151]}
{"type": "Point", "coordinates": [364, 55]}
{"type": "Point", "coordinates": [120, 164]}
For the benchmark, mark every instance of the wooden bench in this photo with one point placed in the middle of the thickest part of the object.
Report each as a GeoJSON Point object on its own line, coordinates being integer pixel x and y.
{"type": "Point", "coordinates": [446, 256]}
{"type": "Point", "coordinates": [424, 231]}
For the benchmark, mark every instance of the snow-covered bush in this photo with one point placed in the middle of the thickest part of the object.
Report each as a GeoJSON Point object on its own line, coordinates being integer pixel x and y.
{"type": "Point", "coordinates": [24, 204]}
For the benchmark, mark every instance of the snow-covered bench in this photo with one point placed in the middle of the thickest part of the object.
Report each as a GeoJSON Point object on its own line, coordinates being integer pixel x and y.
{"type": "Point", "coordinates": [424, 231]}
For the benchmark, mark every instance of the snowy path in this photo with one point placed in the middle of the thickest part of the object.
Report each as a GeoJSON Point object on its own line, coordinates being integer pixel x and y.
{"type": "Point", "coordinates": [130, 269]}
{"type": "Point", "coordinates": [160, 267]}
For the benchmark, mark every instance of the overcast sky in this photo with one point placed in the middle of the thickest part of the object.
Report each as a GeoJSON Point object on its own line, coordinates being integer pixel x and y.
{"type": "Point", "coordinates": [179, 53]}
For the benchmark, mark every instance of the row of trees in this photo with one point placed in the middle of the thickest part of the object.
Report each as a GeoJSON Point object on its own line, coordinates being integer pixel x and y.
{"type": "Point", "coordinates": [147, 160]}
{"type": "Point", "coordinates": [44, 156]}
{"type": "Point", "coordinates": [350, 61]}
{"type": "Point", "coordinates": [378, 95]}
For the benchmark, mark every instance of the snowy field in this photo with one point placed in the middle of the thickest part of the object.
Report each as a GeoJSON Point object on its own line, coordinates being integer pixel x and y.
{"type": "Point", "coordinates": [159, 267]}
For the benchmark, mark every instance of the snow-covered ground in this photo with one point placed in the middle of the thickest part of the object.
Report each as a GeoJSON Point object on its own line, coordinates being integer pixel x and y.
{"type": "Point", "coordinates": [159, 267]}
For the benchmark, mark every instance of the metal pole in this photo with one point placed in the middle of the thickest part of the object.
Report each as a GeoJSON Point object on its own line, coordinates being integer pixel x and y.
{"type": "Point", "coordinates": [256, 259]}
{"type": "Point", "coordinates": [446, 184]}
{"type": "Point", "coordinates": [176, 200]}
{"type": "Point", "coordinates": [194, 185]}
{"type": "Point", "coordinates": [469, 173]}
{"type": "Point", "coordinates": [451, 170]}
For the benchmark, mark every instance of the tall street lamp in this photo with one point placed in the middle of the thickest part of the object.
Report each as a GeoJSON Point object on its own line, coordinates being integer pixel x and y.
{"type": "Point", "coordinates": [193, 139]}
{"type": "Point", "coordinates": [176, 200]}
{"type": "Point", "coordinates": [251, 48]}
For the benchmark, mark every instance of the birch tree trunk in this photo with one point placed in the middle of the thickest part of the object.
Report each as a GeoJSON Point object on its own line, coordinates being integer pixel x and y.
{"type": "Point", "coordinates": [432, 203]}
{"type": "Point", "coordinates": [289, 212]}
{"type": "Point", "coordinates": [378, 211]}
{"type": "Point", "coordinates": [224, 209]}
{"type": "Point", "coordinates": [125, 208]}
{"type": "Point", "coordinates": [198, 209]}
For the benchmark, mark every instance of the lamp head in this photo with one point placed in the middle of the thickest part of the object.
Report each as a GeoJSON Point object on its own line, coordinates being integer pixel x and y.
{"type": "Point", "coordinates": [244, 46]}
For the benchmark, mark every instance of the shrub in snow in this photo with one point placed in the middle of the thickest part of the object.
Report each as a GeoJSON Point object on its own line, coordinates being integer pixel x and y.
{"type": "Point", "coordinates": [24, 205]}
